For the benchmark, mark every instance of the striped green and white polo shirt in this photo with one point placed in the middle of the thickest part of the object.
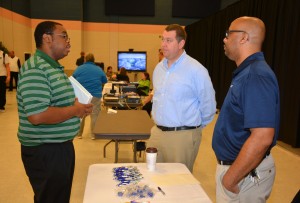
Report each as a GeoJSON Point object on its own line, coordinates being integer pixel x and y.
{"type": "Point", "coordinates": [43, 83]}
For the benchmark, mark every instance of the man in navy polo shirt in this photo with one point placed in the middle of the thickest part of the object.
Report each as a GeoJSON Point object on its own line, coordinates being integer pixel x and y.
{"type": "Point", "coordinates": [248, 124]}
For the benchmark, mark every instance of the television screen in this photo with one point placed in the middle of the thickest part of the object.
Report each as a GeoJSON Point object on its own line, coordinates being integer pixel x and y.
{"type": "Point", "coordinates": [132, 61]}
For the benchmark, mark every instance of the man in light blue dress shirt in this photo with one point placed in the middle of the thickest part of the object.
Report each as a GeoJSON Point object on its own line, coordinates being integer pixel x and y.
{"type": "Point", "coordinates": [183, 101]}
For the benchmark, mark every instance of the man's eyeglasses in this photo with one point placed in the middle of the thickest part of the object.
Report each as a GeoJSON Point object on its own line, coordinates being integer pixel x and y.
{"type": "Point", "coordinates": [227, 33]}
{"type": "Point", "coordinates": [65, 36]}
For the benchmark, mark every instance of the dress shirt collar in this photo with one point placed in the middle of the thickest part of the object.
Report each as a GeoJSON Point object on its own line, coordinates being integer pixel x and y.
{"type": "Point", "coordinates": [165, 61]}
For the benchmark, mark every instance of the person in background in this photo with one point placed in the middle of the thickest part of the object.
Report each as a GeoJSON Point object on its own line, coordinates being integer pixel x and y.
{"type": "Point", "coordinates": [4, 79]}
{"type": "Point", "coordinates": [160, 55]}
{"type": "Point", "coordinates": [15, 65]}
{"type": "Point", "coordinates": [183, 101]}
{"type": "Point", "coordinates": [122, 76]}
{"type": "Point", "coordinates": [92, 78]}
{"type": "Point", "coordinates": [80, 60]}
{"type": "Point", "coordinates": [49, 116]}
{"type": "Point", "coordinates": [101, 64]}
{"type": "Point", "coordinates": [147, 102]}
{"type": "Point", "coordinates": [109, 73]}
{"type": "Point", "coordinates": [144, 85]}
{"type": "Point", "coordinates": [248, 124]}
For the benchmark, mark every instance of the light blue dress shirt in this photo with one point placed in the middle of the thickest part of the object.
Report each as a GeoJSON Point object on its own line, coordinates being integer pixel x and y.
{"type": "Point", "coordinates": [183, 93]}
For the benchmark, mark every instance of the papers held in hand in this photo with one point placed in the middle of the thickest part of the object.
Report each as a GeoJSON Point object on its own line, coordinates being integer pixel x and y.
{"type": "Point", "coordinates": [81, 93]}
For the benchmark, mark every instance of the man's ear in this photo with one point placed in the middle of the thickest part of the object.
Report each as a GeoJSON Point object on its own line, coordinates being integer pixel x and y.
{"type": "Point", "coordinates": [47, 38]}
{"type": "Point", "coordinates": [181, 44]}
{"type": "Point", "coordinates": [245, 38]}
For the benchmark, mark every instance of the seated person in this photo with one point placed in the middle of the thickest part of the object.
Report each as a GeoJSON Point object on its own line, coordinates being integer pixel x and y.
{"type": "Point", "coordinates": [144, 85]}
{"type": "Point", "coordinates": [109, 73]}
{"type": "Point", "coordinates": [122, 76]}
{"type": "Point", "coordinates": [147, 103]}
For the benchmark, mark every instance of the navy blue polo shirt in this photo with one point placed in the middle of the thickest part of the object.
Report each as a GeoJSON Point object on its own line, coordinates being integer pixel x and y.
{"type": "Point", "coordinates": [252, 101]}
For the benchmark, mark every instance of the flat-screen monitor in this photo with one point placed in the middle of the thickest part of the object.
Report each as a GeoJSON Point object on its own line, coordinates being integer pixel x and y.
{"type": "Point", "coordinates": [132, 61]}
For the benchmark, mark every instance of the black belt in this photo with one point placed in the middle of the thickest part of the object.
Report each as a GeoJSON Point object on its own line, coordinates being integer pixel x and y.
{"type": "Point", "coordinates": [231, 162]}
{"type": "Point", "coordinates": [164, 128]}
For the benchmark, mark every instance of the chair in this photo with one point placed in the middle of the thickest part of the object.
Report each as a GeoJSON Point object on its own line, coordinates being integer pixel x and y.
{"type": "Point", "coordinates": [140, 146]}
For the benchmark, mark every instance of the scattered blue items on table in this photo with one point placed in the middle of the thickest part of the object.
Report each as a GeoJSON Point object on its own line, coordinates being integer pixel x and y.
{"type": "Point", "coordinates": [126, 175]}
{"type": "Point", "coordinates": [128, 178]}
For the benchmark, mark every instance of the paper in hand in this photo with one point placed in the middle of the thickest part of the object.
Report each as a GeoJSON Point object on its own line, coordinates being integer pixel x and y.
{"type": "Point", "coordinates": [81, 93]}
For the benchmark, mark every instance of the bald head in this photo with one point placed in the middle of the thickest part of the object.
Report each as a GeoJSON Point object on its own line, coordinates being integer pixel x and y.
{"type": "Point", "coordinates": [254, 27]}
{"type": "Point", "coordinates": [244, 37]}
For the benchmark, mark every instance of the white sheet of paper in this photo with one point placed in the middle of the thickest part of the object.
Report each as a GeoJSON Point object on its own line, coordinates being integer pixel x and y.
{"type": "Point", "coordinates": [81, 93]}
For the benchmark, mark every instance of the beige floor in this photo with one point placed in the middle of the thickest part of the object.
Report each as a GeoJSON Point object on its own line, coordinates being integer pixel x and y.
{"type": "Point", "coordinates": [15, 187]}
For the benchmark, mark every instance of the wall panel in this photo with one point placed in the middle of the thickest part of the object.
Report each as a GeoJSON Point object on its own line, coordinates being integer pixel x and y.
{"type": "Point", "coordinates": [15, 32]}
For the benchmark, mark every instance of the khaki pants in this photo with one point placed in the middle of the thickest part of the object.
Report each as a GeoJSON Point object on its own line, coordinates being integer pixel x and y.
{"type": "Point", "coordinates": [94, 115]}
{"type": "Point", "coordinates": [249, 191]}
{"type": "Point", "coordinates": [176, 146]}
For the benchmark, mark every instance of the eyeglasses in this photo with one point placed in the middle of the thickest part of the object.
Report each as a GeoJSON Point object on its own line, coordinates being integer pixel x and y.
{"type": "Point", "coordinates": [227, 33]}
{"type": "Point", "coordinates": [65, 36]}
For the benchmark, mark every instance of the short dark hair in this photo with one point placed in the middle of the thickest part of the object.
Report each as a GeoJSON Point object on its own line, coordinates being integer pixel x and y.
{"type": "Point", "coordinates": [180, 32]}
{"type": "Point", "coordinates": [42, 28]}
{"type": "Point", "coordinates": [147, 75]}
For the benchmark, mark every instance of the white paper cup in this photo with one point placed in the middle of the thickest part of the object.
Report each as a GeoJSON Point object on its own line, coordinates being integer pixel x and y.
{"type": "Point", "coordinates": [151, 154]}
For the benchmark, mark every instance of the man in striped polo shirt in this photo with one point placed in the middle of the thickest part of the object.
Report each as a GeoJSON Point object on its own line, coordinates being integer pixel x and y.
{"type": "Point", "coordinates": [49, 116]}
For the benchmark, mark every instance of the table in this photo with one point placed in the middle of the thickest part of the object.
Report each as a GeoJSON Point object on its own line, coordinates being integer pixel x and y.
{"type": "Point", "coordinates": [129, 101]}
{"type": "Point", "coordinates": [125, 103]}
{"type": "Point", "coordinates": [107, 87]}
{"type": "Point", "coordinates": [122, 104]}
{"type": "Point", "coordinates": [100, 186]}
{"type": "Point", "coordinates": [125, 125]}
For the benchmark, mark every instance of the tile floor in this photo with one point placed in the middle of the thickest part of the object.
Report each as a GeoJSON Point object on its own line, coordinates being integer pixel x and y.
{"type": "Point", "coordinates": [15, 187]}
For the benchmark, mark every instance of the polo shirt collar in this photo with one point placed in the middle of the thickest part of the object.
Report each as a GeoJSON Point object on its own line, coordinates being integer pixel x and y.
{"type": "Point", "coordinates": [254, 57]}
{"type": "Point", "coordinates": [48, 59]}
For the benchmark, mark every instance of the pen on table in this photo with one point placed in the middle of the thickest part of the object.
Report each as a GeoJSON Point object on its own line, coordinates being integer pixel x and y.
{"type": "Point", "coordinates": [161, 190]}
